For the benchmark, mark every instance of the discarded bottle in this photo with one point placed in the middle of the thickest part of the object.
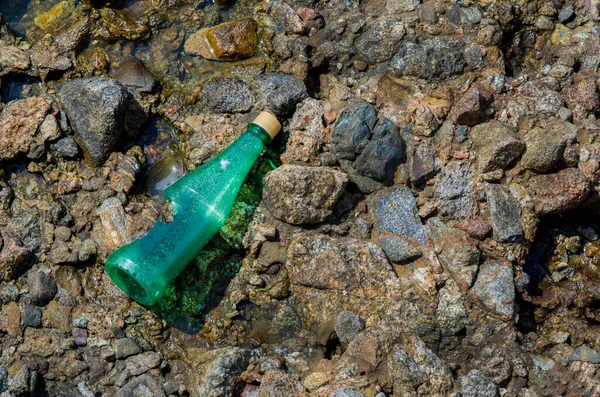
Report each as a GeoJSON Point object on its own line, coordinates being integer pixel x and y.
{"type": "Point", "coordinates": [200, 203]}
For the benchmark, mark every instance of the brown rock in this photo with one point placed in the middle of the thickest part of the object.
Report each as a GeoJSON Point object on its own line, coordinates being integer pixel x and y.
{"type": "Point", "coordinates": [229, 41]}
{"type": "Point", "coordinates": [19, 122]}
{"type": "Point", "coordinates": [497, 145]}
{"type": "Point", "coordinates": [11, 319]}
{"type": "Point", "coordinates": [57, 316]}
{"type": "Point", "coordinates": [583, 93]}
{"type": "Point", "coordinates": [559, 192]}
{"type": "Point", "coordinates": [476, 227]}
{"type": "Point", "coordinates": [13, 257]}
{"type": "Point", "coordinates": [468, 110]}
{"type": "Point", "coordinates": [307, 134]}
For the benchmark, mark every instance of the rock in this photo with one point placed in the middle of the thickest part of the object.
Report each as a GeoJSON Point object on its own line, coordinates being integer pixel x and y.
{"type": "Point", "coordinates": [118, 227]}
{"type": "Point", "coordinates": [476, 384]}
{"type": "Point", "coordinates": [544, 23]}
{"type": "Point", "coordinates": [32, 316]}
{"type": "Point", "coordinates": [133, 74]}
{"type": "Point", "coordinates": [96, 108]}
{"type": "Point", "coordinates": [42, 288]}
{"type": "Point", "coordinates": [67, 148]}
{"type": "Point", "coordinates": [422, 162]}
{"type": "Point", "coordinates": [505, 211]}
{"type": "Point", "coordinates": [353, 129]}
{"type": "Point", "coordinates": [315, 380]}
{"type": "Point", "coordinates": [382, 155]}
{"type": "Point", "coordinates": [496, 144]}
{"type": "Point", "coordinates": [303, 195]}
{"type": "Point", "coordinates": [10, 319]}
{"type": "Point", "coordinates": [80, 336]}
{"type": "Point", "coordinates": [57, 316]}
{"type": "Point", "coordinates": [413, 366]}
{"type": "Point", "coordinates": [353, 275]}
{"type": "Point", "coordinates": [494, 362]}
{"type": "Point", "coordinates": [460, 254]}
{"type": "Point", "coordinates": [398, 226]}
{"type": "Point", "coordinates": [13, 257]}
{"type": "Point", "coordinates": [450, 312]}
{"type": "Point", "coordinates": [583, 93]}
{"type": "Point", "coordinates": [495, 287]}
{"type": "Point", "coordinates": [142, 386]}
{"type": "Point", "coordinates": [429, 58]}
{"type": "Point", "coordinates": [69, 278]}
{"type": "Point", "coordinates": [347, 325]}
{"type": "Point", "coordinates": [307, 133]}
{"type": "Point", "coordinates": [287, 18]}
{"type": "Point", "coordinates": [142, 362]}
{"type": "Point", "coordinates": [380, 41]}
{"type": "Point", "coordinates": [216, 373]}
{"type": "Point", "coordinates": [229, 95]}
{"type": "Point", "coordinates": [281, 92]}
{"type": "Point", "coordinates": [559, 192]}
{"type": "Point", "coordinates": [545, 148]}
{"type": "Point", "coordinates": [3, 379]}
{"type": "Point", "coordinates": [398, 6]}
{"type": "Point", "coordinates": [13, 59]}
{"type": "Point", "coordinates": [455, 189]}
{"type": "Point", "coordinates": [346, 393]}
{"type": "Point", "coordinates": [586, 354]}
{"type": "Point", "coordinates": [566, 14]}
{"type": "Point", "coordinates": [229, 41]}
{"type": "Point", "coordinates": [19, 122]}
{"type": "Point", "coordinates": [80, 322]}
{"type": "Point", "coordinates": [469, 109]}
{"type": "Point", "coordinates": [125, 347]}
{"type": "Point", "coordinates": [476, 227]}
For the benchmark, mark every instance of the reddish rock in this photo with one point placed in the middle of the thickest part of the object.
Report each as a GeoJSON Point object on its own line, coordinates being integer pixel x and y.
{"type": "Point", "coordinates": [476, 227]}
{"type": "Point", "coordinates": [559, 192]}
{"type": "Point", "coordinates": [230, 41]}
{"type": "Point", "coordinates": [468, 110]}
{"type": "Point", "coordinates": [19, 122]}
{"type": "Point", "coordinates": [583, 93]}
{"type": "Point", "coordinates": [13, 257]}
{"type": "Point", "coordinates": [11, 319]}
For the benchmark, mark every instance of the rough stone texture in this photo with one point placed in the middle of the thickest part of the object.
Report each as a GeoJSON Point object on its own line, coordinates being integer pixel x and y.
{"type": "Point", "coordinates": [19, 122]}
{"type": "Point", "coordinates": [67, 147]}
{"type": "Point", "coordinates": [505, 213]}
{"type": "Point", "coordinates": [229, 95]}
{"type": "Point", "coordinates": [398, 6]}
{"type": "Point", "coordinates": [133, 74]}
{"type": "Point", "coordinates": [125, 347]}
{"type": "Point", "coordinates": [476, 384]}
{"type": "Point", "coordinates": [348, 325]}
{"type": "Point", "coordinates": [13, 257]}
{"type": "Point", "coordinates": [455, 189]}
{"type": "Point", "coordinates": [495, 363]}
{"type": "Point", "coordinates": [281, 92]}
{"type": "Point", "coordinates": [460, 254]}
{"type": "Point", "coordinates": [353, 129]}
{"type": "Point", "coordinates": [413, 366]}
{"type": "Point", "coordinates": [379, 42]}
{"type": "Point", "coordinates": [333, 274]}
{"type": "Point", "coordinates": [42, 288]}
{"type": "Point", "coordinates": [398, 226]}
{"type": "Point", "coordinates": [382, 155]}
{"type": "Point", "coordinates": [495, 287]}
{"type": "Point", "coordinates": [307, 133]}
{"type": "Point", "coordinates": [142, 362]}
{"type": "Point", "coordinates": [559, 192]}
{"type": "Point", "coordinates": [346, 393]}
{"type": "Point", "coordinates": [10, 317]}
{"type": "Point", "coordinates": [143, 385]}
{"type": "Point", "coordinates": [217, 371]}
{"type": "Point", "coordinates": [230, 41]}
{"type": "Point", "coordinates": [32, 316]}
{"type": "Point", "coordinates": [303, 195]}
{"type": "Point", "coordinates": [429, 58]}
{"type": "Point", "coordinates": [450, 312]}
{"type": "Point", "coordinates": [469, 109]}
{"type": "Point", "coordinates": [545, 147]}
{"type": "Point", "coordinates": [586, 354]}
{"type": "Point", "coordinates": [96, 108]}
{"type": "Point", "coordinates": [496, 144]}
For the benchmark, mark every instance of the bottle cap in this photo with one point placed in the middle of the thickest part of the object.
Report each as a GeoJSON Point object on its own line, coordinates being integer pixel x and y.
{"type": "Point", "coordinates": [269, 123]}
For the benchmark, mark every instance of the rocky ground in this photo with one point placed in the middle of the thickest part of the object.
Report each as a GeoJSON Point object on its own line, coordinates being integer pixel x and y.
{"type": "Point", "coordinates": [425, 224]}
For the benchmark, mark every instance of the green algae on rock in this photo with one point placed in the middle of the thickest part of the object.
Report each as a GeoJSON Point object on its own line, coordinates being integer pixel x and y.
{"type": "Point", "coordinates": [229, 41]}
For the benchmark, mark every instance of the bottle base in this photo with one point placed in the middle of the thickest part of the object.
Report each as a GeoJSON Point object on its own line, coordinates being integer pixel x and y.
{"type": "Point", "coordinates": [131, 286]}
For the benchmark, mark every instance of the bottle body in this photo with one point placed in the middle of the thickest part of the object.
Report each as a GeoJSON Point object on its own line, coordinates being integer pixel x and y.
{"type": "Point", "coordinates": [200, 202]}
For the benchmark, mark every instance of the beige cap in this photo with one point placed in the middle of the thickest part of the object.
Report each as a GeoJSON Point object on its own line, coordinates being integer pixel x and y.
{"type": "Point", "coordinates": [269, 123]}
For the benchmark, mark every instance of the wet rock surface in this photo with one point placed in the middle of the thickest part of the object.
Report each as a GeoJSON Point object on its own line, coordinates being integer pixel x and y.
{"type": "Point", "coordinates": [426, 223]}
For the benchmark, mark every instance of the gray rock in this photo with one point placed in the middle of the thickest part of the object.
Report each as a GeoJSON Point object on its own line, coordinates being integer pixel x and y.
{"type": "Point", "coordinates": [346, 393]}
{"type": "Point", "coordinates": [544, 23]}
{"type": "Point", "coordinates": [398, 225]}
{"type": "Point", "coordinates": [495, 363]}
{"type": "Point", "coordinates": [495, 287]}
{"type": "Point", "coordinates": [429, 58]}
{"type": "Point", "coordinates": [566, 14]}
{"type": "Point", "coordinates": [80, 322]}
{"type": "Point", "coordinates": [476, 384]}
{"type": "Point", "coordinates": [20, 383]}
{"type": "Point", "coordinates": [353, 129]}
{"type": "Point", "coordinates": [142, 386]}
{"type": "Point", "coordinates": [422, 162]}
{"type": "Point", "coordinates": [303, 195]}
{"type": "Point", "coordinates": [347, 325]}
{"type": "Point", "coordinates": [3, 379]}
{"type": "Point", "coordinates": [450, 312]}
{"type": "Point", "coordinates": [413, 366]}
{"type": "Point", "coordinates": [229, 95]}
{"type": "Point", "coordinates": [496, 144]}
{"type": "Point", "coordinates": [42, 287]}
{"type": "Point", "coordinates": [132, 73]}
{"type": "Point", "coordinates": [67, 148]}
{"type": "Point", "coordinates": [459, 253]}
{"type": "Point", "coordinates": [380, 41]}
{"type": "Point", "coordinates": [454, 186]}
{"type": "Point", "coordinates": [142, 362]}
{"type": "Point", "coordinates": [505, 213]}
{"type": "Point", "coordinates": [32, 316]}
{"type": "Point", "coordinates": [545, 147]}
{"type": "Point", "coordinates": [215, 377]}
{"type": "Point", "coordinates": [281, 92]}
{"type": "Point", "coordinates": [9, 293]}
{"type": "Point", "coordinates": [96, 108]}
{"type": "Point", "coordinates": [125, 347]}
{"type": "Point", "coordinates": [398, 6]}
{"type": "Point", "coordinates": [383, 153]}
{"type": "Point", "coordinates": [586, 354]}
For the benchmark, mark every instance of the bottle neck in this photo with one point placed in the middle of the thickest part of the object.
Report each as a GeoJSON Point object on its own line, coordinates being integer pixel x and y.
{"type": "Point", "coordinates": [260, 132]}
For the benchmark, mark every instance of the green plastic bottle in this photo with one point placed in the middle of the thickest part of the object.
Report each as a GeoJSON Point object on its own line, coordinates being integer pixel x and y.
{"type": "Point", "coordinates": [200, 203]}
